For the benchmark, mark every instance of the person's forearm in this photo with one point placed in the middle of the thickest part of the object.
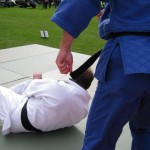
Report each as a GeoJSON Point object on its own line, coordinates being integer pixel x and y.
{"type": "Point", "coordinates": [66, 41]}
{"type": "Point", "coordinates": [19, 88]}
{"type": "Point", "coordinates": [64, 58]}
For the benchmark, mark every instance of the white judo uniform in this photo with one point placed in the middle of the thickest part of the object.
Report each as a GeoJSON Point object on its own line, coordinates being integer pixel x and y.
{"type": "Point", "coordinates": [51, 104]}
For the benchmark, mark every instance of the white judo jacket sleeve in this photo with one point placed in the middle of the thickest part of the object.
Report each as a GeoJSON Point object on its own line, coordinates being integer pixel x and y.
{"type": "Point", "coordinates": [19, 88]}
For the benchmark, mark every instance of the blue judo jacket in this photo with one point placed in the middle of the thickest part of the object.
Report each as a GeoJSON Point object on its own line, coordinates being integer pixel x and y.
{"type": "Point", "coordinates": [119, 16]}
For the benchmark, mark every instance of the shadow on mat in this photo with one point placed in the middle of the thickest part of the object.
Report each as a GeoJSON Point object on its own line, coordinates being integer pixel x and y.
{"type": "Point", "coordinates": [62, 139]}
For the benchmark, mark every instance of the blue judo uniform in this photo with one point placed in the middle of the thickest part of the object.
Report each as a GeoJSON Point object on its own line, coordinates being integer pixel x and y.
{"type": "Point", "coordinates": [123, 70]}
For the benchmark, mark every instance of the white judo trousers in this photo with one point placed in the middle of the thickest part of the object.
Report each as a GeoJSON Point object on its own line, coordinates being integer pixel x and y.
{"type": "Point", "coordinates": [52, 104]}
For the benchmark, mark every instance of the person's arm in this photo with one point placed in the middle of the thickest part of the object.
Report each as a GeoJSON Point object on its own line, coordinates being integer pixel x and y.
{"type": "Point", "coordinates": [73, 16]}
{"type": "Point", "coordinates": [19, 88]}
{"type": "Point", "coordinates": [64, 58]}
{"type": "Point", "coordinates": [100, 14]}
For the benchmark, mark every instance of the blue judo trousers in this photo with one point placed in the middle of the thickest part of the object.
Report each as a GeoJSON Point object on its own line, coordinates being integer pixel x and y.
{"type": "Point", "coordinates": [119, 98]}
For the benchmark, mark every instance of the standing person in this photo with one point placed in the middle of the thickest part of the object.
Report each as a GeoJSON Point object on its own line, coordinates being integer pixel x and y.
{"type": "Point", "coordinates": [44, 4]}
{"type": "Point", "coordinates": [123, 70]}
{"type": "Point", "coordinates": [44, 104]}
{"type": "Point", "coordinates": [50, 3]}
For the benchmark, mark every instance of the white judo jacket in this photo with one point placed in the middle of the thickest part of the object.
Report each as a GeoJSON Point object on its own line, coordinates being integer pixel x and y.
{"type": "Point", "coordinates": [51, 104]}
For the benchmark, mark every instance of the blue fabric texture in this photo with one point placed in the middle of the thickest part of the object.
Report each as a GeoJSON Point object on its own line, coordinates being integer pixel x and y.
{"type": "Point", "coordinates": [125, 16]}
{"type": "Point", "coordinates": [123, 70]}
{"type": "Point", "coordinates": [74, 16]}
{"type": "Point", "coordinates": [121, 98]}
{"type": "Point", "coordinates": [75, 23]}
{"type": "Point", "coordinates": [135, 51]}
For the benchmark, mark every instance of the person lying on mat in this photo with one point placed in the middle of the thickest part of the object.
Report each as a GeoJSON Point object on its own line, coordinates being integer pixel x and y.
{"type": "Point", "coordinates": [44, 104]}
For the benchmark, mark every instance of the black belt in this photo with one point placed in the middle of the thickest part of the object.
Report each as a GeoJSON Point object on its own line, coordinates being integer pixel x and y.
{"type": "Point", "coordinates": [25, 121]}
{"type": "Point", "coordinates": [93, 58]}
{"type": "Point", "coordinates": [85, 65]}
{"type": "Point", "coordinates": [117, 34]}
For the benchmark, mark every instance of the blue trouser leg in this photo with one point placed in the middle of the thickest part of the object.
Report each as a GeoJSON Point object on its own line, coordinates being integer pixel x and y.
{"type": "Point", "coordinates": [141, 138]}
{"type": "Point", "coordinates": [139, 126]}
{"type": "Point", "coordinates": [115, 102]}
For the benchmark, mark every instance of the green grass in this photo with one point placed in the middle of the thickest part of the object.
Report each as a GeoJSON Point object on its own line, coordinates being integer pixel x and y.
{"type": "Point", "coordinates": [21, 26]}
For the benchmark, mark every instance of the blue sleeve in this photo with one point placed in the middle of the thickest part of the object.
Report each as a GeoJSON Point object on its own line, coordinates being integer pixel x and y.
{"type": "Point", "coordinates": [74, 16]}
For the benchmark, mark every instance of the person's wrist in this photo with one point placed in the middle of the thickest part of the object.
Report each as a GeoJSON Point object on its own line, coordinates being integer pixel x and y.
{"type": "Point", "coordinates": [66, 42]}
{"type": "Point", "coordinates": [65, 49]}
